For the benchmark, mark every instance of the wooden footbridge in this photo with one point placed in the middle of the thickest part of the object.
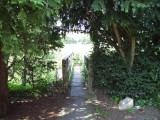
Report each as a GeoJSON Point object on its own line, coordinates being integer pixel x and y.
{"type": "Point", "coordinates": [77, 106]}
{"type": "Point", "coordinates": [68, 67]}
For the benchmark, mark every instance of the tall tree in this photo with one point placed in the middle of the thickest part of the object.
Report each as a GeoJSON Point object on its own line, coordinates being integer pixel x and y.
{"type": "Point", "coordinates": [24, 27]}
{"type": "Point", "coordinates": [3, 84]}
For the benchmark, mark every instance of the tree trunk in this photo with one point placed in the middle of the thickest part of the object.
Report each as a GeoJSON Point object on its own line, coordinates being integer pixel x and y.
{"type": "Point", "coordinates": [3, 85]}
{"type": "Point", "coordinates": [118, 40]}
{"type": "Point", "coordinates": [32, 77]}
{"type": "Point", "coordinates": [133, 46]}
{"type": "Point", "coordinates": [24, 76]}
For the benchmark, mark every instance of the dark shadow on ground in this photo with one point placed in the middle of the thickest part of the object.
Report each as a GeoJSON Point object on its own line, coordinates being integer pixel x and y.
{"type": "Point", "coordinates": [37, 109]}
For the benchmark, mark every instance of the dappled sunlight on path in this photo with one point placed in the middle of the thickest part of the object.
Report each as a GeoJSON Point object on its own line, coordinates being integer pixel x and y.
{"type": "Point", "coordinates": [77, 107]}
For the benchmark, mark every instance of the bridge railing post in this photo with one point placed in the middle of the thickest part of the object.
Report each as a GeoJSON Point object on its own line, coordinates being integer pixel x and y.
{"type": "Point", "coordinates": [67, 69]}
{"type": "Point", "coordinates": [90, 78]}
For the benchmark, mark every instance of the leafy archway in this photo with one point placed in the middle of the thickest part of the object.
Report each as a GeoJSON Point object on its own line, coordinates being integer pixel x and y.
{"type": "Point", "coordinates": [28, 29]}
{"type": "Point", "coordinates": [131, 28]}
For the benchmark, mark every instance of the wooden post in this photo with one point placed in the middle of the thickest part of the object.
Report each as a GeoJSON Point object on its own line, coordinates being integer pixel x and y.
{"type": "Point", "coordinates": [66, 70]}
{"type": "Point", "coordinates": [90, 76]}
{"type": "Point", "coordinates": [88, 65]}
{"type": "Point", "coordinates": [64, 73]}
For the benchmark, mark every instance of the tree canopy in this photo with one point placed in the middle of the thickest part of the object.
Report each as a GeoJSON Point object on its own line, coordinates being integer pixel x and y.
{"type": "Point", "coordinates": [120, 24]}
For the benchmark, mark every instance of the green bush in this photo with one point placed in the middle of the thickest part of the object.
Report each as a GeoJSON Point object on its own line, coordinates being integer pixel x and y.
{"type": "Point", "coordinates": [110, 73]}
{"type": "Point", "coordinates": [19, 91]}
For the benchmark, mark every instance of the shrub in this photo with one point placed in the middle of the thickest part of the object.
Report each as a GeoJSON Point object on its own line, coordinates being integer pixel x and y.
{"type": "Point", "coordinates": [110, 73]}
{"type": "Point", "coordinates": [19, 91]}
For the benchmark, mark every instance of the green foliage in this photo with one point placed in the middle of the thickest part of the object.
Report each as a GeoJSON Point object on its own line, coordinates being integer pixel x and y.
{"type": "Point", "coordinates": [31, 69]}
{"type": "Point", "coordinates": [77, 59]}
{"type": "Point", "coordinates": [84, 73]}
{"type": "Point", "coordinates": [148, 101]}
{"type": "Point", "coordinates": [111, 74]}
{"type": "Point", "coordinates": [85, 39]}
{"type": "Point", "coordinates": [16, 87]}
{"type": "Point", "coordinates": [158, 100]}
{"type": "Point", "coordinates": [25, 27]}
{"type": "Point", "coordinates": [141, 102]}
{"type": "Point", "coordinates": [131, 110]}
{"type": "Point", "coordinates": [27, 34]}
{"type": "Point", "coordinates": [98, 5]}
{"type": "Point", "coordinates": [19, 91]}
{"type": "Point", "coordinates": [57, 87]}
{"type": "Point", "coordinates": [116, 98]}
{"type": "Point", "coordinates": [39, 75]}
{"type": "Point", "coordinates": [71, 74]}
{"type": "Point", "coordinates": [102, 113]}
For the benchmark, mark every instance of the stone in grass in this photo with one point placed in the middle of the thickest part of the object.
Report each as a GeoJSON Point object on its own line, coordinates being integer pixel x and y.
{"type": "Point", "coordinates": [126, 103]}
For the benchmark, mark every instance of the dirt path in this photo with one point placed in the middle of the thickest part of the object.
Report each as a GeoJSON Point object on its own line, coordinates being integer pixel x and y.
{"type": "Point", "coordinates": [79, 105]}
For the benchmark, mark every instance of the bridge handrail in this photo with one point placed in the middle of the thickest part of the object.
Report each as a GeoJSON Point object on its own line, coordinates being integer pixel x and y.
{"type": "Point", "coordinates": [86, 61]}
{"type": "Point", "coordinates": [67, 65]}
{"type": "Point", "coordinates": [90, 78]}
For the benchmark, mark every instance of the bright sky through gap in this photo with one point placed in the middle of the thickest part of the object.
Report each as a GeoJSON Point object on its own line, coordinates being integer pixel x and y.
{"type": "Point", "coordinates": [78, 47]}
{"type": "Point", "coordinates": [77, 36]}
{"type": "Point", "coordinates": [59, 23]}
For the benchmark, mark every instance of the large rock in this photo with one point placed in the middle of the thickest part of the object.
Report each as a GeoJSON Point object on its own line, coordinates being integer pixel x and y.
{"type": "Point", "coordinates": [126, 103]}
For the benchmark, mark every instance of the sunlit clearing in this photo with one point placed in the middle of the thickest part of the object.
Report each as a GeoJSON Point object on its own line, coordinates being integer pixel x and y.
{"type": "Point", "coordinates": [77, 36]}
{"type": "Point", "coordinates": [77, 43]}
